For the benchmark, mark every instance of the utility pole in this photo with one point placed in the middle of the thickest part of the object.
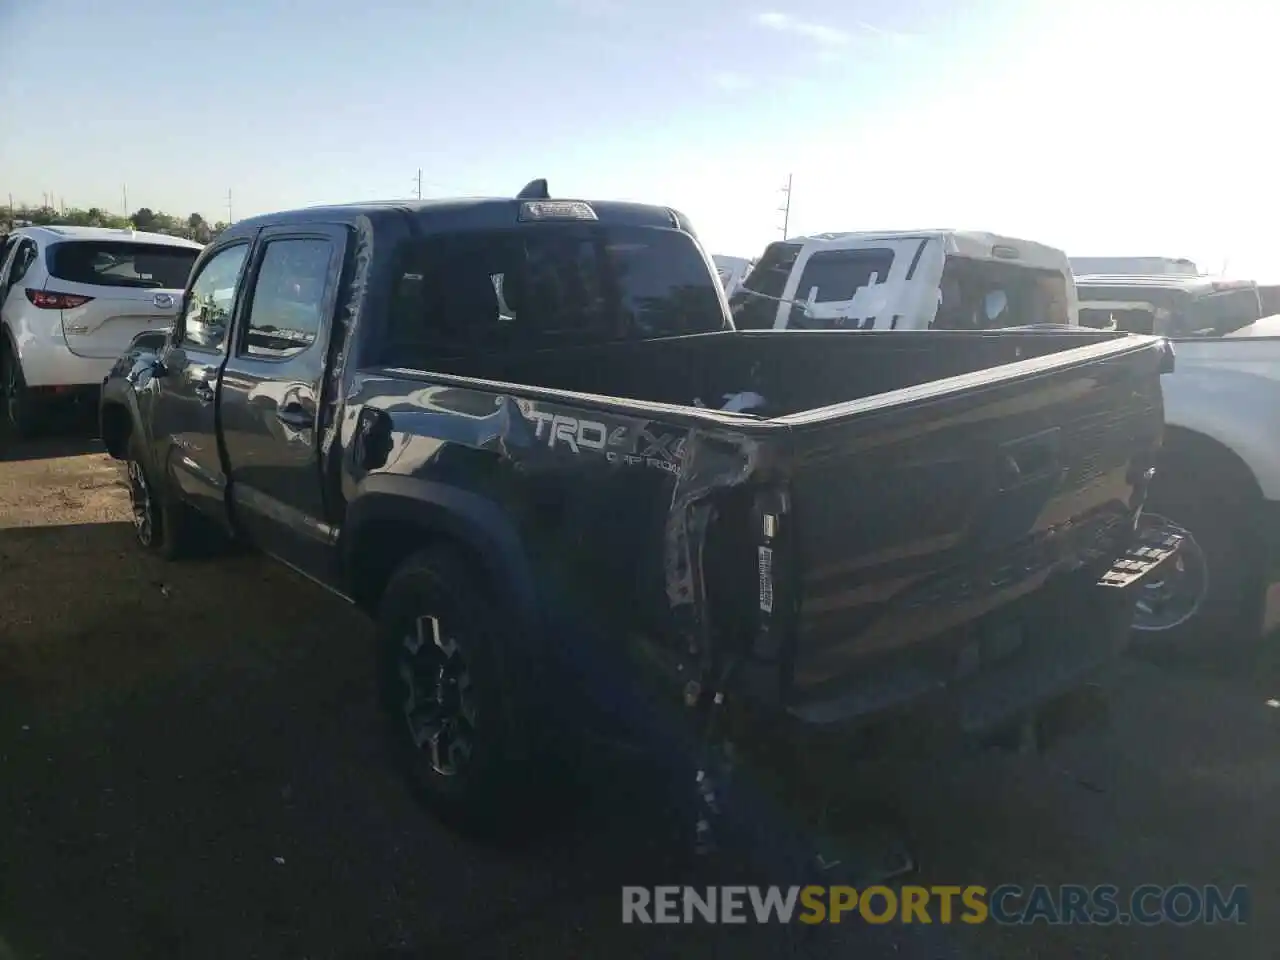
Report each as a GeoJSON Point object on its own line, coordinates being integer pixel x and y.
{"type": "Point", "coordinates": [785, 209]}
{"type": "Point", "coordinates": [230, 218]}
{"type": "Point", "coordinates": [124, 198]}
{"type": "Point", "coordinates": [419, 182]}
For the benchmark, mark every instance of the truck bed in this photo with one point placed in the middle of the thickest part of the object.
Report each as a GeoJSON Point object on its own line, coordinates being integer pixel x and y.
{"type": "Point", "coordinates": [918, 485]}
{"type": "Point", "coordinates": [794, 371]}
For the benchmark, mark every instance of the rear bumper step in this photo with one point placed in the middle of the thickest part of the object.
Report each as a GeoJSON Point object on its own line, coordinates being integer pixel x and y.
{"type": "Point", "coordinates": [1154, 546]}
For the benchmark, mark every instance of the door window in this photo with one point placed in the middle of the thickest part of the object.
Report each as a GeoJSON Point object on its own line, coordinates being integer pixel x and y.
{"type": "Point", "coordinates": [211, 300]}
{"type": "Point", "coordinates": [6, 248]}
{"type": "Point", "coordinates": [22, 260]}
{"type": "Point", "coordinates": [288, 298]}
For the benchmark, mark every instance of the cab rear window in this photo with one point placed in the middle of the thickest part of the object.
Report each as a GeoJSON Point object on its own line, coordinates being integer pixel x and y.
{"type": "Point", "coordinates": [114, 263]}
{"type": "Point", "coordinates": [533, 288]}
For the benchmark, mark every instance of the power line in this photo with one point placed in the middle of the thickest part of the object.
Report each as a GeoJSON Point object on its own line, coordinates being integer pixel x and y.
{"type": "Point", "coordinates": [785, 209]}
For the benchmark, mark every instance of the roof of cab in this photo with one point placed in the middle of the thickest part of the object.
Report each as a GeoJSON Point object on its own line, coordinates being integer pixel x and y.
{"type": "Point", "coordinates": [970, 244]}
{"type": "Point", "coordinates": [1165, 281]}
{"type": "Point", "coordinates": [58, 233]}
{"type": "Point", "coordinates": [457, 213]}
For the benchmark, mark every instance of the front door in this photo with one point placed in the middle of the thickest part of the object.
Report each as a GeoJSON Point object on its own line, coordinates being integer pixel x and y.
{"type": "Point", "coordinates": [272, 395]}
{"type": "Point", "coordinates": [184, 428]}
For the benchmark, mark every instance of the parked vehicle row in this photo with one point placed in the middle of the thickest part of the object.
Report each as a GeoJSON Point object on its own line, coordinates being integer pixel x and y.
{"type": "Point", "coordinates": [1220, 473]}
{"type": "Point", "coordinates": [512, 431]}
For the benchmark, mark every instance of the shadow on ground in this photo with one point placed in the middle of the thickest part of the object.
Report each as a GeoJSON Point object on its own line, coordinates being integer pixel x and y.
{"type": "Point", "coordinates": [194, 768]}
{"type": "Point", "coordinates": [71, 437]}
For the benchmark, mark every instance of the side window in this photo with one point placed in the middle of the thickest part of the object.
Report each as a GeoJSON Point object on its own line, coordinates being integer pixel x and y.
{"type": "Point", "coordinates": [835, 276]}
{"type": "Point", "coordinates": [1221, 313]}
{"type": "Point", "coordinates": [212, 298]}
{"type": "Point", "coordinates": [288, 298]}
{"type": "Point", "coordinates": [839, 274]}
{"type": "Point", "coordinates": [22, 260]}
{"type": "Point", "coordinates": [6, 248]}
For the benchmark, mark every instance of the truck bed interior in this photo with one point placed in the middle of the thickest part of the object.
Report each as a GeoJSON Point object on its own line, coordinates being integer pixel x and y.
{"type": "Point", "coordinates": [792, 370]}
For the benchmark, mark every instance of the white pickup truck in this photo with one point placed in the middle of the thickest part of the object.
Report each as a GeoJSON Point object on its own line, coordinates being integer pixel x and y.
{"type": "Point", "coordinates": [905, 280]}
{"type": "Point", "coordinates": [1219, 476]}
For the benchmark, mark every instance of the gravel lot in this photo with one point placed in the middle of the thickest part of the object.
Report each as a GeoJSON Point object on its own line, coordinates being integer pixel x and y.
{"type": "Point", "coordinates": [192, 768]}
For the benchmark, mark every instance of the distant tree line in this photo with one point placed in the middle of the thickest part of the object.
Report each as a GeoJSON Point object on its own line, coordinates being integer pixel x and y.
{"type": "Point", "coordinates": [193, 227]}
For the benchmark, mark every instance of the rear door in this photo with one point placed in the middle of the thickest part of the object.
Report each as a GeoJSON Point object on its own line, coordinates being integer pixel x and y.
{"type": "Point", "coordinates": [271, 390]}
{"type": "Point", "coordinates": [184, 413]}
{"type": "Point", "coordinates": [127, 288]}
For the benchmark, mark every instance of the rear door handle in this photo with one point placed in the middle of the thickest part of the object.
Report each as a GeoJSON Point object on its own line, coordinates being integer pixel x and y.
{"type": "Point", "coordinates": [295, 415]}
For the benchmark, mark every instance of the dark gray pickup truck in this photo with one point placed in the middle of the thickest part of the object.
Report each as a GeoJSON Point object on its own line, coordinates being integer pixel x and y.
{"type": "Point", "coordinates": [498, 426]}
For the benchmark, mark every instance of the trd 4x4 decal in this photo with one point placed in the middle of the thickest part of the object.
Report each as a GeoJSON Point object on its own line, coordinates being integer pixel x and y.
{"type": "Point", "coordinates": [633, 442]}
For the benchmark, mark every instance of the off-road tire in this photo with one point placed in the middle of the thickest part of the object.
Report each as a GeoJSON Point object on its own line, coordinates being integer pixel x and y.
{"type": "Point", "coordinates": [1224, 629]}
{"type": "Point", "coordinates": [501, 790]}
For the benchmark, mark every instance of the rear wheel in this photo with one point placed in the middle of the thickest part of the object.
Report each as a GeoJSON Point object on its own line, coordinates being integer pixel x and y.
{"type": "Point", "coordinates": [21, 408]}
{"type": "Point", "coordinates": [457, 704]}
{"type": "Point", "coordinates": [1200, 604]}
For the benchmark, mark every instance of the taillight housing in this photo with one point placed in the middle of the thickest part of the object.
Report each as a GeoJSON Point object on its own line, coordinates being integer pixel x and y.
{"type": "Point", "coordinates": [47, 300]}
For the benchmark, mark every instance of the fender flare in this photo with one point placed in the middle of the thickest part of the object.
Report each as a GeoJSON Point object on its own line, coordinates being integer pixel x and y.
{"type": "Point", "coordinates": [473, 521]}
{"type": "Point", "coordinates": [116, 395]}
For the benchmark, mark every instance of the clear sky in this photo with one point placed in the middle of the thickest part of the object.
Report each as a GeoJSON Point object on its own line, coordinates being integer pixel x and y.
{"type": "Point", "coordinates": [1100, 126]}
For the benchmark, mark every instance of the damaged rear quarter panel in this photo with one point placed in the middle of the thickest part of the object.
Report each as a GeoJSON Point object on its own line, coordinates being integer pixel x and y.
{"type": "Point", "coordinates": [609, 510]}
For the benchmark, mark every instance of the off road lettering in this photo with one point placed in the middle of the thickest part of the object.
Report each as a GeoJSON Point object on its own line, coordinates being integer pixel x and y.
{"type": "Point", "coordinates": [638, 445]}
{"type": "Point", "coordinates": [574, 433]}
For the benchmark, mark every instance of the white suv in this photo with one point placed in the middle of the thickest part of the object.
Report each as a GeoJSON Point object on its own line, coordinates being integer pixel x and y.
{"type": "Point", "coordinates": [71, 300]}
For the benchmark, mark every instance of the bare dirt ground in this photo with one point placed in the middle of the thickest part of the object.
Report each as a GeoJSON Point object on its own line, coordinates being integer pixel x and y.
{"type": "Point", "coordinates": [191, 767]}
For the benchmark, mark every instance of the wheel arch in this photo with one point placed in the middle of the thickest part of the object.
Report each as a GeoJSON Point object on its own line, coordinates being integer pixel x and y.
{"type": "Point", "coordinates": [393, 517]}
{"type": "Point", "coordinates": [115, 425]}
{"type": "Point", "coordinates": [1187, 451]}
